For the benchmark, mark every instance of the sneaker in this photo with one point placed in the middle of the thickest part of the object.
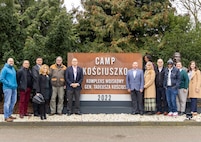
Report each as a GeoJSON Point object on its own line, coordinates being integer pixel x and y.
{"type": "Point", "coordinates": [175, 114]}
{"type": "Point", "coordinates": [194, 113]}
{"type": "Point", "coordinates": [170, 113]}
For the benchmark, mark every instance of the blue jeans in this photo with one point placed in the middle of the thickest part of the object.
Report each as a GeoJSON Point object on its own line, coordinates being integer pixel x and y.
{"type": "Point", "coordinates": [10, 98]}
{"type": "Point", "coordinates": [171, 94]}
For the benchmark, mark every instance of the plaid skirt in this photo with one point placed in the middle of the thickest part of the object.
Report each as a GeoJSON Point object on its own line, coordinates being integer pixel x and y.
{"type": "Point", "coordinates": [150, 104]}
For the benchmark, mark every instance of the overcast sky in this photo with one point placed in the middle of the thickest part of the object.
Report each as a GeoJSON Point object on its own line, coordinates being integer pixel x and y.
{"type": "Point", "coordinates": [72, 3]}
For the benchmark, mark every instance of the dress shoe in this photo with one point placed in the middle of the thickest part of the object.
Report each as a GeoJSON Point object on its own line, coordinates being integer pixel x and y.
{"type": "Point", "coordinates": [158, 113]}
{"type": "Point", "coordinates": [165, 113]}
{"type": "Point", "coordinates": [78, 113]}
{"type": "Point", "coordinates": [69, 113]}
{"type": "Point", "coordinates": [9, 120]}
{"type": "Point", "coordinates": [133, 113]}
{"type": "Point", "coordinates": [12, 117]}
{"type": "Point", "coordinates": [60, 114]}
{"type": "Point", "coordinates": [41, 117]}
{"type": "Point", "coordinates": [36, 115]}
{"type": "Point", "coordinates": [149, 113]}
{"type": "Point", "coordinates": [21, 116]}
{"type": "Point", "coordinates": [141, 113]}
{"type": "Point", "coordinates": [181, 113]}
{"type": "Point", "coordinates": [51, 114]}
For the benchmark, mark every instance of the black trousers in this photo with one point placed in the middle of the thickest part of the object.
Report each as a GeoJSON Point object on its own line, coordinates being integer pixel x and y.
{"type": "Point", "coordinates": [137, 101]}
{"type": "Point", "coordinates": [73, 94]}
{"type": "Point", "coordinates": [44, 108]}
{"type": "Point", "coordinates": [36, 107]}
{"type": "Point", "coordinates": [161, 101]}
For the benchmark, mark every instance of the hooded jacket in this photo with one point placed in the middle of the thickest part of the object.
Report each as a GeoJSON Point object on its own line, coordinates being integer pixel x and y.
{"type": "Point", "coordinates": [8, 77]}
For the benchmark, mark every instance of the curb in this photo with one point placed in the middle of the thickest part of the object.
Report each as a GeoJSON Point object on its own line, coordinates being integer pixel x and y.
{"type": "Point", "coordinates": [42, 124]}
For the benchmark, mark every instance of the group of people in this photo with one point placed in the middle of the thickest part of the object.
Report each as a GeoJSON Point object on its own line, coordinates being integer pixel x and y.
{"type": "Point", "coordinates": [51, 82]}
{"type": "Point", "coordinates": [154, 90]}
{"type": "Point", "coordinates": [165, 89]}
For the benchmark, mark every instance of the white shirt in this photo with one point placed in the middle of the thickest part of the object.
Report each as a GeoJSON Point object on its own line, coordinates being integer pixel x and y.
{"type": "Point", "coordinates": [75, 72]}
{"type": "Point", "coordinates": [160, 69]}
{"type": "Point", "coordinates": [169, 83]}
{"type": "Point", "coordinates": [134, 73]}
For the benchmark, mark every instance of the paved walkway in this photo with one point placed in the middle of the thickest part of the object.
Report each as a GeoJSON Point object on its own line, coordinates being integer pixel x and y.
{"type": "Point", "coordinates": [100, 134]}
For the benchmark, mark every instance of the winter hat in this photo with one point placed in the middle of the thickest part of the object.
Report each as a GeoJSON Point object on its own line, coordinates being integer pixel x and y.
{"type": "Point", "coordinates": [170, 61]}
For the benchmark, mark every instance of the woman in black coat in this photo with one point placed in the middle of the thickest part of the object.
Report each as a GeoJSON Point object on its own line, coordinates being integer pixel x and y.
{"type": "Point", "coordinates": [44, 87]}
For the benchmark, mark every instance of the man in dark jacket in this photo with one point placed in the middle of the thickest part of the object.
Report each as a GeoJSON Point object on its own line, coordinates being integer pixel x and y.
{"type": "Point", "coordinates": [24, 81]}
{"type": "Point", "coordinates": [161, 102]}
{"type": "Point", "coordinates": [35, 73]}
{"type": "Point", "coordinates": [171, 84]}
{"type": "Point", "coordinates": [74, 78]}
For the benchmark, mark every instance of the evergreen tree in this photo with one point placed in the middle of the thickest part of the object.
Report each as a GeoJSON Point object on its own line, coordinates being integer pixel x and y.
{"type": "Point", "coordinates": [121, 26]}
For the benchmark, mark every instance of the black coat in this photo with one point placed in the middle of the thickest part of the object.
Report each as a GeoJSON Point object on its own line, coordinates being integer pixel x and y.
{"type": "Point", "coordinates": [35, 72]}
{"type": "Point", "coordinates": [44, 86]}
{"type": "Point", "coordinates": [159, 77]}
{"type": "Point", "coordinates": [22, 78]}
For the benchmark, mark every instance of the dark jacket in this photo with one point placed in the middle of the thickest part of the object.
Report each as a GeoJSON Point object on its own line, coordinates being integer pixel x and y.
{"type": "Point", "coordinates": [175, 78]}
{"type": "Point", "coordinates": [22, 78]}
{"type": "Point", "coordinates": [44, 86]}
{"type": "Point", "coordinates": [35, 73]}
{"type": "Point", "coordinates": [69, 76]}
{"type": "Point", "coordinates": [159, 77]}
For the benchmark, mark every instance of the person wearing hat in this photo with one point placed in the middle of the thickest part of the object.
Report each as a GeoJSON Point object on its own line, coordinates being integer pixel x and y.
{"type": "Point", "coordinates": [171, 84]}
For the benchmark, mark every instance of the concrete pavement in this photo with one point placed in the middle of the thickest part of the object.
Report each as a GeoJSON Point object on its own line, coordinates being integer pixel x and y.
{"type": "Point", "coordinates": [100, 134]}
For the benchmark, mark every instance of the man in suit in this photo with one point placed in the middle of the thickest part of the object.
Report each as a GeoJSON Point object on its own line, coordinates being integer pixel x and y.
{"type": "Point", "coordinates": [74, 78]}
{"type": "Point", "coordinates": [35, 73]}
{"type": "Point", "coordinates": [134, 84]}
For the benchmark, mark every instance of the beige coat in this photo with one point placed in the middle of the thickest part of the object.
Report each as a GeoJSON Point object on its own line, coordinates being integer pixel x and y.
{"type": "Point", "coordinates": [195, 82]}
{"type": "Point", "coordinates": [149, 87]}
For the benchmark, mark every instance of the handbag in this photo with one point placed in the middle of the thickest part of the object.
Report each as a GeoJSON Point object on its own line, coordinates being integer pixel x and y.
{"type": "Point", "coordinates": [38, 99]}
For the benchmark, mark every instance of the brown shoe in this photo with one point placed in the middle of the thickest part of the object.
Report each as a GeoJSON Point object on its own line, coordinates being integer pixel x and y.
{"type": "Point", "coordinates": [165, 113]}
{"type": "Point", "coordinates": [12, 117]}
{"type": "Point", "coordinates": [158, 113]}
{"type": "Point", "coordinates": [9, 120]}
